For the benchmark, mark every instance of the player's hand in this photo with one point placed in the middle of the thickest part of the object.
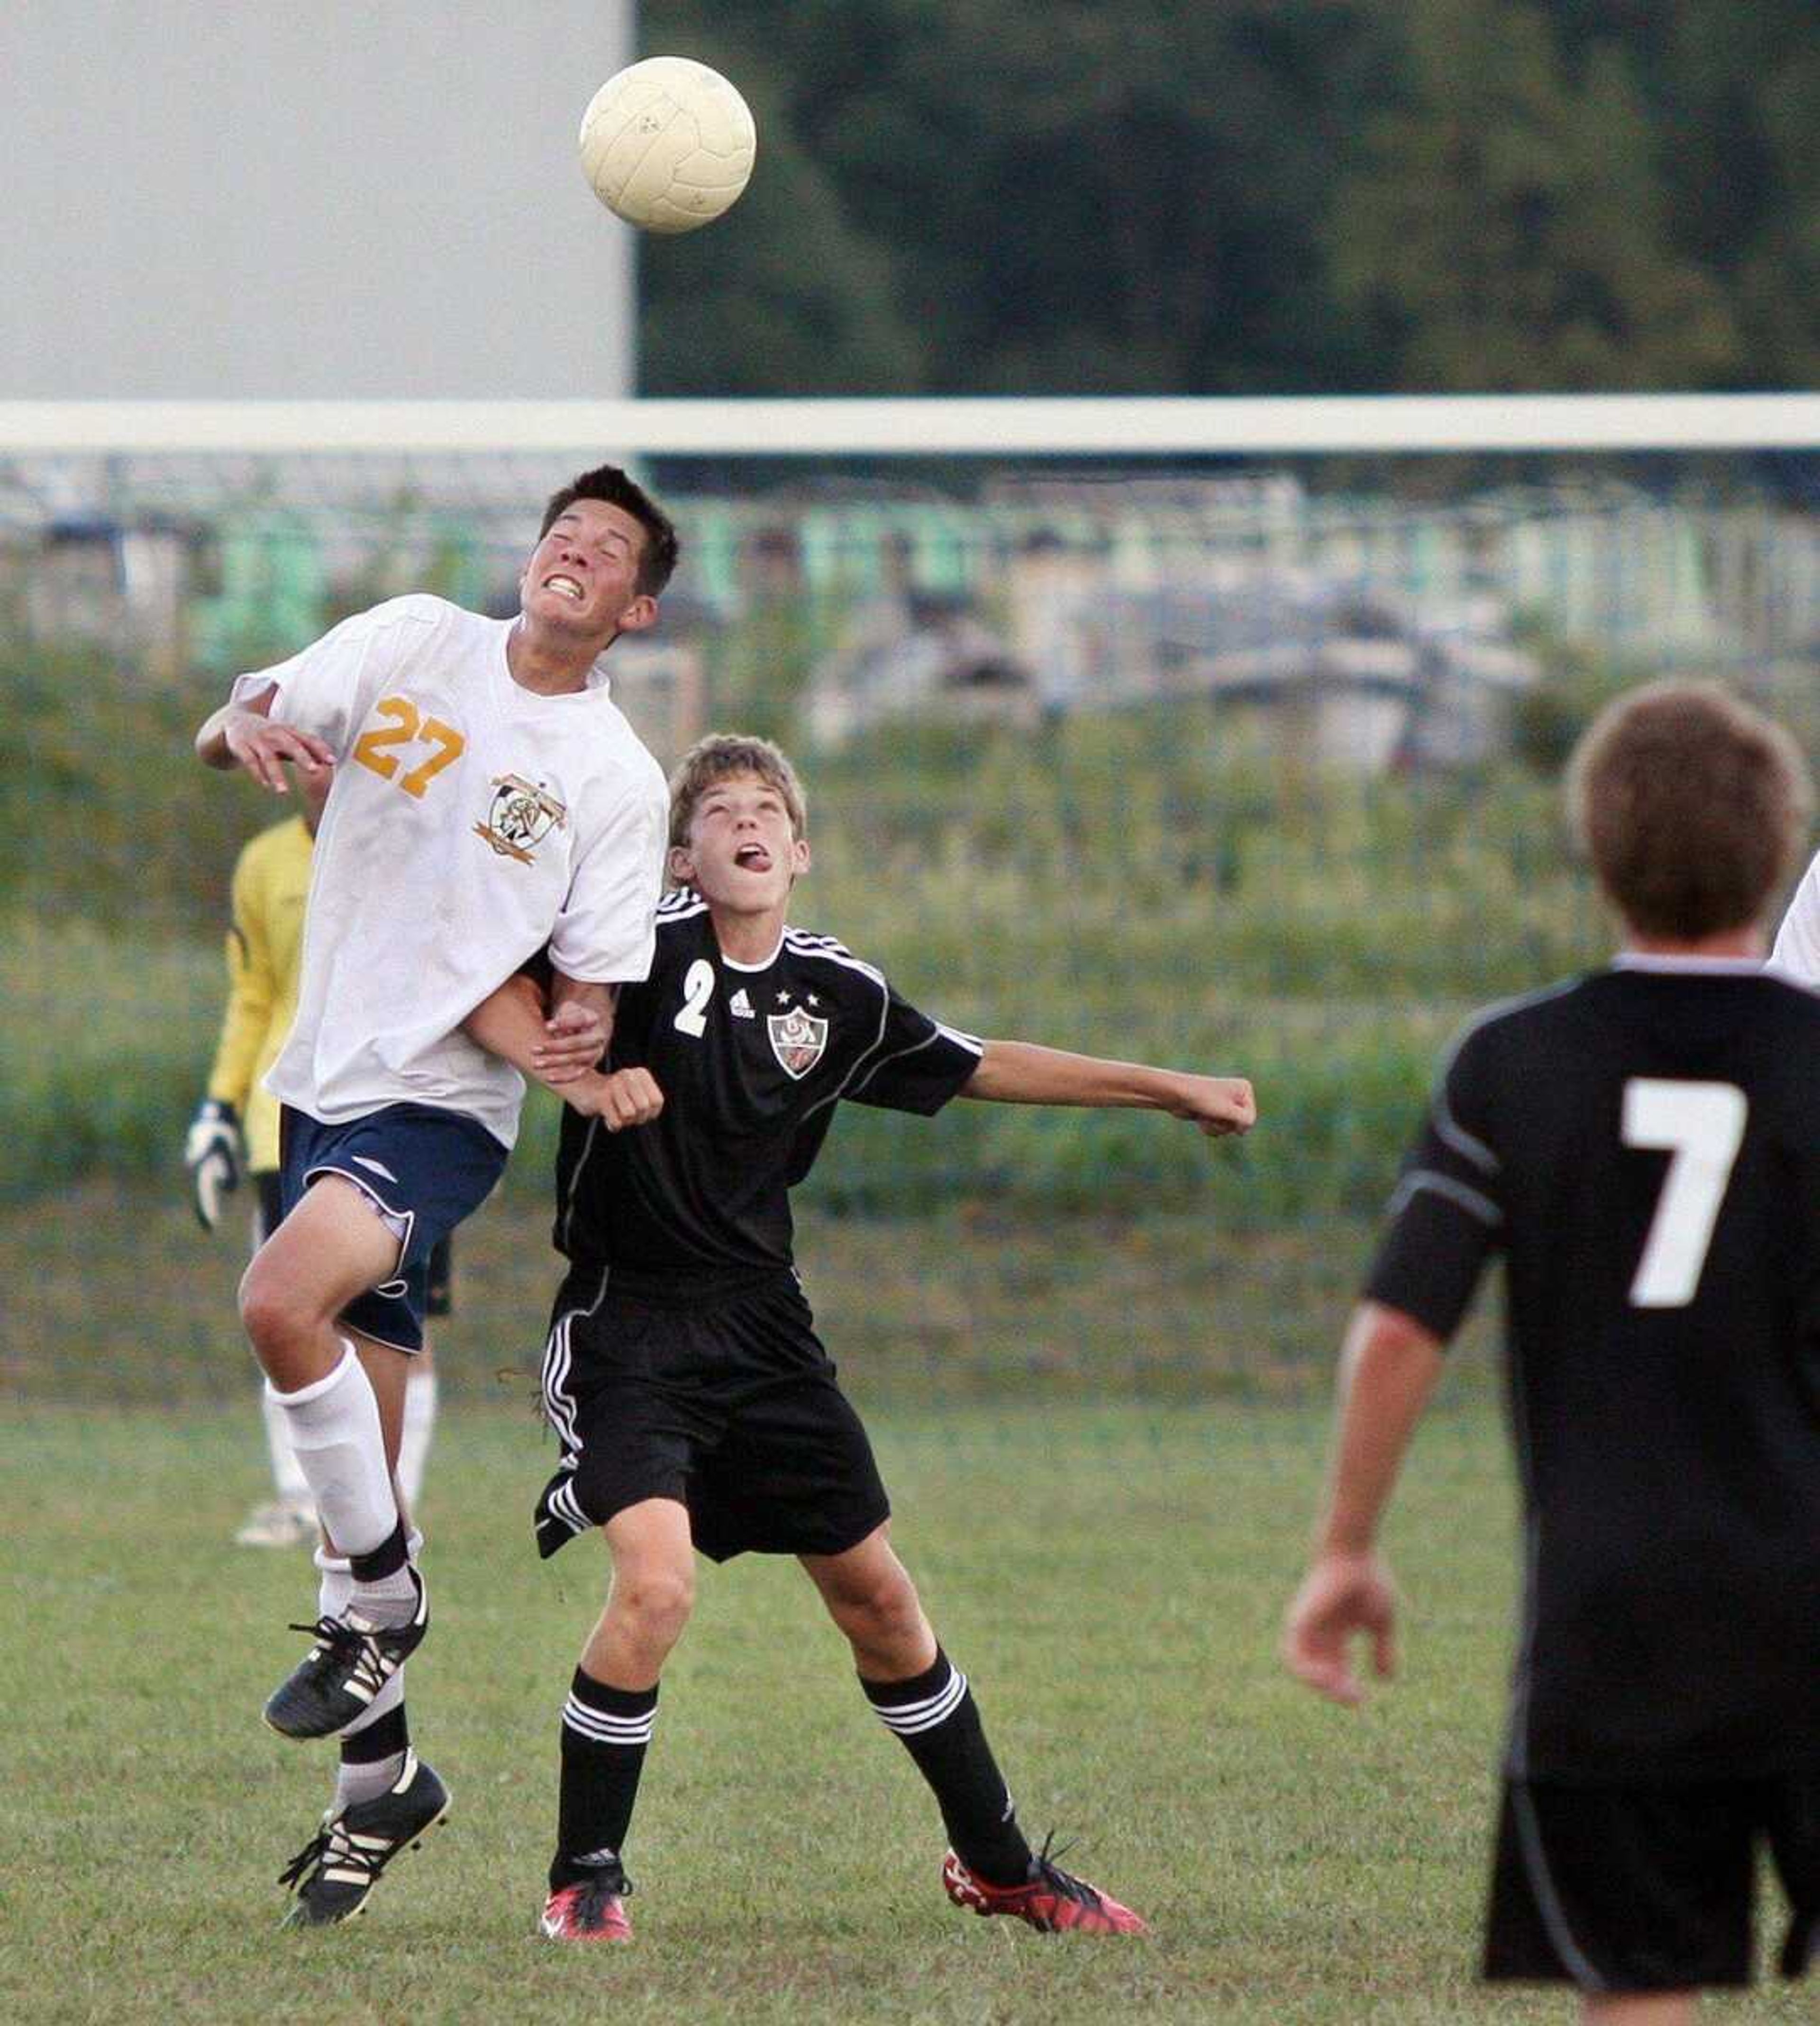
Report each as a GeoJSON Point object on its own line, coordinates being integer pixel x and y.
{"type": "Point", "coordinates": [1341, 1595]}
{"type": "Point", "coordinates": [265, 749]}
{"type": "Point", "coordinates": [212, 1154]}
{"type": "Point", "coordinates": [629, 1097]}
{"type": "Point", "coordinates": [1218, 1105]}
{"type": "Point", "coordinates": [575, 1038]}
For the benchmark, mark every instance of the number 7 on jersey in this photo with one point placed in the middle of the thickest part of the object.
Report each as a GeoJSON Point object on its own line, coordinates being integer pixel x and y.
{"type": "Point", "coordinates": [1700, 1127]}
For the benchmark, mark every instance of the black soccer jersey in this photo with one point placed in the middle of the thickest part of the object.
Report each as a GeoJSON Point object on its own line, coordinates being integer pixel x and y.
{"type": "Point", "coordinates": [752, 1061]}
{"type": "Point", "coordinates": [1644, 1147]}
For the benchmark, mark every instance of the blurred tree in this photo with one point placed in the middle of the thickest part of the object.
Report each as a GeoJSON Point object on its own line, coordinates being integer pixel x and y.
{"type": "Point", "coordinates": [790, 295]}
{"type": "Point", "coordinates": [1246, 195]}
{"type": "Point", "coordinates": [1087, 198]}
{"type": "Point", "coordinates": [1508, 229]}
{"type": "Point", "coordinates": [1733, 95]}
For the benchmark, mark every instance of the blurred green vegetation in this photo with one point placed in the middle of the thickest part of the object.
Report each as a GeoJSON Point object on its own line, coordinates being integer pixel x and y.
{"type": "Point", "coordinates": [1102, 197]}
{"type": "Point", "coordinates": [1152, 885]}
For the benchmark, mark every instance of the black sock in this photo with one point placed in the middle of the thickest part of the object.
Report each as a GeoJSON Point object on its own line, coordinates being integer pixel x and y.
{"type": "Point", "coordinates": [936, 1716]}
{"type": "Point", "coordinates": [384, 1737]}
{"type": "Point", "coordinates": [605, 1731]}
{"type": "Point", "coordinates": [371, 1758]}
{"type": "Point", "coordinates": [386, 1559]}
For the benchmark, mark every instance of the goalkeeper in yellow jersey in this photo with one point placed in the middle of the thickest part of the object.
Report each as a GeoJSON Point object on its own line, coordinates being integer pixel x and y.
{"type": "Point", "coordinates": [236, 1130]}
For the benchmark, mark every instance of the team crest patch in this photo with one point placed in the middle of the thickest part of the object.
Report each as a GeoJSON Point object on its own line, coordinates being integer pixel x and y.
{"type": "Point", "coordinates": [797, 1039]}
{"type": "Point", "coordinates": [521, 816]}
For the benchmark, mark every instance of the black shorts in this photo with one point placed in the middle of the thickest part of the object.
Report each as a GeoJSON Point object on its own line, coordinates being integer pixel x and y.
{"type": "Point", "coordinates": [439, 1295]}
{"type": "Point", "coordinates": [1619, 1889]}
{"type": "Point", "coordinates": [730, 1406]}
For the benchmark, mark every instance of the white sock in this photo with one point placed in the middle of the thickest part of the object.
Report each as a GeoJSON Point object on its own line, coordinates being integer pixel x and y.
{"type": "Point", "coordinates": [293, 1487]}
{"type": "Point", "coordinates": [334, 1430]}
{"type": "Point", "coordinates": [420, 1394]}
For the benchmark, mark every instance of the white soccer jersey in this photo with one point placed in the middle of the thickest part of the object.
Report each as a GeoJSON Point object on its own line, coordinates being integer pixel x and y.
{"type": "Point", "coordinates": [1796, 954]}
{"type": "Point", "coordinates": [471, 822]}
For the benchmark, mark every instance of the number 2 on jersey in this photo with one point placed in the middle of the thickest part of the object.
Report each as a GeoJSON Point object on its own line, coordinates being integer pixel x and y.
{"type": "Point", "coordinates": [404, 726]}
{"type": "Point", "coordinates": [1700, 1126]}
{"type": "Point", "coordinates": [698, 989]}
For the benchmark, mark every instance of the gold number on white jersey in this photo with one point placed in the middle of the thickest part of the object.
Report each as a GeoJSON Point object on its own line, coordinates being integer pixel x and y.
{"type": "Point", "coordinates": [403, 726]}
{"type": "Point", "coordinates": [1700, 1126]}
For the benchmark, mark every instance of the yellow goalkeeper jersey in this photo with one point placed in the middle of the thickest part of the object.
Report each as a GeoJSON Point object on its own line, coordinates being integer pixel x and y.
{"type": "Point", "coordinates": [271, 883]}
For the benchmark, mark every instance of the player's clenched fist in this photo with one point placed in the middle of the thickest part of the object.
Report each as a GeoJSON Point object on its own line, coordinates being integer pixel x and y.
{"type": "Point", "coordinates": [1218, 1105]}
{"type": "Point", "coordinates": [628, 1097]}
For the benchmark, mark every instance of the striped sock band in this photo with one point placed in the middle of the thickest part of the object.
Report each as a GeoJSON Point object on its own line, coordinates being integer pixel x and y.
{"type": "Point", "coordinates": [910, 1719]}
{"type": "Point", "coordinates": [587, 1713]}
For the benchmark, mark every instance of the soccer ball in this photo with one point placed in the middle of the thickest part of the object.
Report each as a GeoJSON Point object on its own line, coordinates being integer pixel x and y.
{"type": "Point", "coordinates": [668, 143]}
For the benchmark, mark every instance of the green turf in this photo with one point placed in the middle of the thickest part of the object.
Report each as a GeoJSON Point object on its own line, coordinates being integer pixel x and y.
{"type": "Point", "coordinates": [1110, 1577]}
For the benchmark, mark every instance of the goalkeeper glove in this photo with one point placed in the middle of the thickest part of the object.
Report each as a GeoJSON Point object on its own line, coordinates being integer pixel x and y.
{"type": "Point", "coordinates": [212, 1155]}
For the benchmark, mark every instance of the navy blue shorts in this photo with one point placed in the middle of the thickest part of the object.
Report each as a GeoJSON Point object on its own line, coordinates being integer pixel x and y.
{"type": "Point", "coordinates": [270, 1214]}
{"type": "Point", "coordinates": [423, 1169]}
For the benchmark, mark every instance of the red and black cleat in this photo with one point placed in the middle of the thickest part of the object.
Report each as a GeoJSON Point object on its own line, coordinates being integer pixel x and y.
{"type": "Point", "coordinates": [593, 1911]}
{"type": "Point", "coordinates": [1050, 1900]}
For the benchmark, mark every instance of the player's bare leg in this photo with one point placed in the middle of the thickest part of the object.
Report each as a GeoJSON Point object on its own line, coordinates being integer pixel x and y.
{"type": "Point", "coordinates": [332, 1247]}
{"type": "Point", "coordinates": [607, 1720]}
{"type": "Point", "coordinates": [1652, 2008]}
{"type": "Point", "coordinates": [869, 1595]}
{"type": "Point", "coordinates": [653, 1592]}
{"type": "Point", "coordinates": [918, 1693]}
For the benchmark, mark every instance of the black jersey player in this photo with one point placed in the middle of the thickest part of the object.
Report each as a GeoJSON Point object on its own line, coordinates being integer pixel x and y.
{"type": "Point", "coordinates": [695, 1407]}
{"type": "Point", "coordinates": [1642, 1145]}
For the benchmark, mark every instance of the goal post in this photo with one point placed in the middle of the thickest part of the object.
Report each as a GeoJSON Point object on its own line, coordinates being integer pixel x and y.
{"type": "Point", "coordinates": [982, 427]}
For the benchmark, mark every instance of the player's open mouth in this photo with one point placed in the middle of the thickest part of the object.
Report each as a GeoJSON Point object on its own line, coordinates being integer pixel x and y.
{"type": "Point", "coordinates": [752, 858]}
{"type": "Point", "coordinates": [564, 587]}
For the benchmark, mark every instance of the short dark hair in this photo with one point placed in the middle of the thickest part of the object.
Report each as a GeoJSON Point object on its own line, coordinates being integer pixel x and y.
{"type": "Point", "coordinates": [1691, 805]}
{"type": "Point", "coordinates": [608, 483]}
{"type": "Point", "coordinates": [717, 757]}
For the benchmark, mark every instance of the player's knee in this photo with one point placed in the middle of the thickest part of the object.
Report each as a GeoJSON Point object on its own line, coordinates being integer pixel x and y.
{"type": "Point", "coordinates": [882, 1613]}
{"type": "Point", "coordinates": [655, 1603]}
{"type": "Point", "coordinates": [269, 1311]}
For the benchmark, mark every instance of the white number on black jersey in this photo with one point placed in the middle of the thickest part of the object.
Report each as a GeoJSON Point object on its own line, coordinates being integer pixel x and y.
{"type": "Point", "coordinates": [698, 989]}
{"type": "Point", "coordinates": [1700, 1126]}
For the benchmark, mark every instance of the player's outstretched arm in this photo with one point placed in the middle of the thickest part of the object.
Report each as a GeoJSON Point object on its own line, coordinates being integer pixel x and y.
{"type": "Point", "coordinates": [1021, 1073]}
{"type": "Point", "coordinates": [1388, 1366]}
{"type": "Point", "coordinates": [242, 734]}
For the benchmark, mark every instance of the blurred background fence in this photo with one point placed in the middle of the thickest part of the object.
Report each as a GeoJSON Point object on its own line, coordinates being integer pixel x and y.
{"type": "Point", "coordinates": [1243, 767]}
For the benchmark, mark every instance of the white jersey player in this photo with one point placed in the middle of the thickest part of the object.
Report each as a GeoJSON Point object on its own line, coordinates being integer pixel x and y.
{"type": "Point", "coordinates": [1796, 952]}
{"type": "Point", "coordinates": [489, 801]}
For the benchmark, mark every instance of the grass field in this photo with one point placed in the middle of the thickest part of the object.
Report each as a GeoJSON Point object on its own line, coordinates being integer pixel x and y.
{"type": "Point", "coordinates": [1110, 1575]}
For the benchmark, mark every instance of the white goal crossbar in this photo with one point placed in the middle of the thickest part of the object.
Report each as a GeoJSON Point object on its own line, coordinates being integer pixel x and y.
{"type": "Point", "coordinates": [1045, 426]}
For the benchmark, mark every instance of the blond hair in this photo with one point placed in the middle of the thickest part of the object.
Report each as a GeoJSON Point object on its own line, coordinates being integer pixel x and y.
{"type": "Point", "coordinates": [1691, 805]}
{"type": "Point", "coordinates": [717, 757]}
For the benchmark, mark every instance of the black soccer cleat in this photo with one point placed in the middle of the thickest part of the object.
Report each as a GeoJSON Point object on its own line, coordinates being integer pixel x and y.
{"type": "Point", "coordinates": [351, 1662]}
{"type": "Point", "coordinates": [338, 1867]}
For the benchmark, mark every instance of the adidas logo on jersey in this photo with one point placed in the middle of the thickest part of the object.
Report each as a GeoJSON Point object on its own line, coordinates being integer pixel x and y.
{"type": "Point", "coordinates": [741, 1006]}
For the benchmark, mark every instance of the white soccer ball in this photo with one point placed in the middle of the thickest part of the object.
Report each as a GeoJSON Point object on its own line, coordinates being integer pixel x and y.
{"type": "Point", "coordinates": [668, 143]}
